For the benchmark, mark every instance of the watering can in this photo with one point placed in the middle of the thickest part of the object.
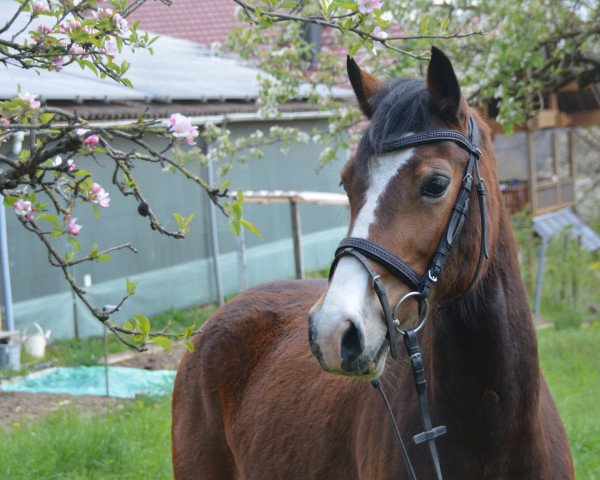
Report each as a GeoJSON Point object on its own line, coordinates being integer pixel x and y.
{"type": "Point", "coordinates": [35, 343]}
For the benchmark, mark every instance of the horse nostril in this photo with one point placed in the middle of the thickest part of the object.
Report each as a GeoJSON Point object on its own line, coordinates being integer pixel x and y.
{"type": "Point", "coordinates": [352, 343]}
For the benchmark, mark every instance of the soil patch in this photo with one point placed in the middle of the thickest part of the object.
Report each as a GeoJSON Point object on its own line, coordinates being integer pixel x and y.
{"type": "Point", "coordinates": [19, 407]}
{"type": "Point", "coordinates": [155, 358]}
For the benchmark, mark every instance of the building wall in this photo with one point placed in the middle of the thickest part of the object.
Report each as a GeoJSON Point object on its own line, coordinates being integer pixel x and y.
{"type": "Point", "coordinates": [177, 273]}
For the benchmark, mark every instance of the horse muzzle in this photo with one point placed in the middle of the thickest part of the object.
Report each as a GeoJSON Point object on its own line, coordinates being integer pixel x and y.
{"type": "Point", "coordinates": [342, 347]}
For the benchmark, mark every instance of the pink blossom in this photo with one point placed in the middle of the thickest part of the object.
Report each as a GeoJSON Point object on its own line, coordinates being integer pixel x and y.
{"type": "Point", "coordinates": [110, 48]}
{"type": "Point", "coordinates": [367, 6]}
{"type": "Point", "coordinates": [71, 165]}
{"type": "Point", "coordinates": [69, 25]}
{"type": "Point", "coordinates": [88, 30]}
{"type": "Point", "coordinates": [30, 99]}
{"type": "Point", "coordinates": [58, 63]}
{"type": "Point", "coordinates": [379, 33]}
{"type": "Point", "coordinates": [4, 121]}
{"type": "Point", "coordinates": [100, 196]}
{"type": "Point", "coordinates": [121, 23]}
{"type": "Point", "coordinates": [30, 217]}
{"type": "Point", "coordinates": [22, 207]}
{"type": "Point", "coordinates": [44, 29]}
{"type": "Point", "coordinates": [76, 49]}
{"type": "Point", "coordinates": [91, 140]}
{"type": "Point", "coordinates": [180, 126]}
{"type": "Point", "coordinates": [73, 227]}
{"type": "Point", "coordinates": [40, 6]}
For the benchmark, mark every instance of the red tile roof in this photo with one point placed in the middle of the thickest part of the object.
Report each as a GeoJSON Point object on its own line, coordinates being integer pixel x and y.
{"type": "Point", "coordinates": [201, 21]}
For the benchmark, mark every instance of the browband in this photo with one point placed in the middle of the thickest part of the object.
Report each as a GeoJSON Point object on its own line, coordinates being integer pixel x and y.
{"type": "Point", "coordinates": [432, 136]}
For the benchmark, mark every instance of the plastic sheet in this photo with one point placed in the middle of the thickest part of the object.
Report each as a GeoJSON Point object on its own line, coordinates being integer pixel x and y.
{"type": "Point", "coordinates": [123, 382]}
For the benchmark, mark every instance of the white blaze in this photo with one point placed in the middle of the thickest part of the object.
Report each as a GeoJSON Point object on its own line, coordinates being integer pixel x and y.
{"type": "Point", "coordinates": [350, 294]}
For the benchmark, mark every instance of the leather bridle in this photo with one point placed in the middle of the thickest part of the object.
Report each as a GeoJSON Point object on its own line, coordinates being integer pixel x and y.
{"type": "Point", "coordinates": [364, 250]}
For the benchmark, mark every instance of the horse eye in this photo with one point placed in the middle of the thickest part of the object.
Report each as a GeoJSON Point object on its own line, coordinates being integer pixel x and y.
{"type": "Point", "coordinates": [435, 186]}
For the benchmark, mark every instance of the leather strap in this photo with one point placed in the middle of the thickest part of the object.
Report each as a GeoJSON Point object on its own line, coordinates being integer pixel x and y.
{"type": "Point", "coordinates": [379, 291]}
{"type": "Point", "coordinates": [380, 255]}
{"type": "Point", "coordinates": [430, 433]}
{"type": "Point", "coordinates": [432, 136]}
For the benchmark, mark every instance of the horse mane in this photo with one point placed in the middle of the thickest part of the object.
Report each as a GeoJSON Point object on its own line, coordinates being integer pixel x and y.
{"type": "Point", "coordinates": [403, 106]}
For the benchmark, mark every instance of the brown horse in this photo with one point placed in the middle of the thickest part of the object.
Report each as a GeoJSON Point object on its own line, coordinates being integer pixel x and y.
{"type": "Point", "coordinates": [252, 402]}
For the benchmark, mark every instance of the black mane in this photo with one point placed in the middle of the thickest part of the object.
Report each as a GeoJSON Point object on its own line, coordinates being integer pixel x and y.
{"type": "Point", "coordinates": [405, 106]}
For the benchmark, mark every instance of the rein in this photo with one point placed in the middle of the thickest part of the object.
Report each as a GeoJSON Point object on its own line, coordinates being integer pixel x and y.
{"type": "Point", "coordinates": [364, 250]}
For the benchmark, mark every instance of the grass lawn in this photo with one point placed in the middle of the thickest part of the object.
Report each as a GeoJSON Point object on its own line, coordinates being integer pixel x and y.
{"type": "Point", "coordinates": [571, 363]}
{"type": "Point", "coordinates": [135, 442]}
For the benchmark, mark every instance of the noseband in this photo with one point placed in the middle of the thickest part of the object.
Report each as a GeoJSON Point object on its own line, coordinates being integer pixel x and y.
{"type": "Point", "coordinates": [364, 250]}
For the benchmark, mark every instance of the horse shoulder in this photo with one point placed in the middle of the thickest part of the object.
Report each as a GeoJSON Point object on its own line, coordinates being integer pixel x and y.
{"type": "Point", "coordinates": [211, 380]}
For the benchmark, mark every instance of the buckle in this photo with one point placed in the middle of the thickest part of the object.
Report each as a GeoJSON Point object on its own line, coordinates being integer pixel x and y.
{"type": "Point", "coordinates": [431, 277]}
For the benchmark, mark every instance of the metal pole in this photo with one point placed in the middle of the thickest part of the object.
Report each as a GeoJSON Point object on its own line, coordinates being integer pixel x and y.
{"type": "Point", "coordinates": [540, 274]}
{"type": "Point", "coordinates": [106, 361]}
{"type": "Point", "coordinates": [214, 234]}
{"type": "Point", "coordinates": [242, 272]}
{"type": "Point", "coordinates": [297, 234]}
{"type": "Point", "coordinates": [8, 303]}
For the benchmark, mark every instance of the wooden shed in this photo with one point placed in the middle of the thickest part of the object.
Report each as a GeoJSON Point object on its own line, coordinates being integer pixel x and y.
{"type": "Point", "coordinates": [536, 163]}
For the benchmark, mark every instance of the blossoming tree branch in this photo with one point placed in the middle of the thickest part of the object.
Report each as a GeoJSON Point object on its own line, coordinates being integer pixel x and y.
{"type": "Point", "coordinates": [50, 180]}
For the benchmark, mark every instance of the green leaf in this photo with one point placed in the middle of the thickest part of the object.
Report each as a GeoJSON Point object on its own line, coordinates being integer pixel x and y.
{"type": "Point", "coordinates": [96, 211]}
{"type": "Point", "coordinates": [130, 286]}
{"type": "Point", "coordinates": [353, 49]}
{"type": "Point", "coordinates": [183, 222]}
{"type": "Point", "coordinates": [128, 325]}
{"type": "Point", "coordinates": [189, 331]}
{"type": "Point", "coordinates": [190, 346]}
{"type": "Point", "coordinates": [74, 243]}
{"type": "Point", "coordinates": [163, 342]}
{"type": "Point", "coordinates": [251, 227]}
{"type": "Point", "coordinates": [142, 323]}
{"type": "Point", "coordinates": [49, 218]}
{"type": "Point", "coordinates": [94, 251]}
{"type": "Point", "coordinates": [444, 24]}
{"type": "Point", "coordinates": [9, 201]}
{"type": "Point", "coordinates": [69, 256]}
{"type": "Point", "coordinates": [103, 258]}
{"type": "Point", "coordinates": [46, 117]}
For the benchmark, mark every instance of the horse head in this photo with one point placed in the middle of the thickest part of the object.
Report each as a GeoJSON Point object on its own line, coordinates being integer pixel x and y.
{"type": "Point", "coordinates": [402, 199]}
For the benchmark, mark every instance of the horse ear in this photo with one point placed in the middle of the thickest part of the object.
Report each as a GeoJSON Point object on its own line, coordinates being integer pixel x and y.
{"type": "Point", "coordinates": [442, 84]}
{"type": "Point", "coordinates": [365, 86]}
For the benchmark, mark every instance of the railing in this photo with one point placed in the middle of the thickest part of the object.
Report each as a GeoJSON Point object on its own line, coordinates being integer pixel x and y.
{"type": "Point", "coordinates": [293, 198]}
{"type": "Point", "coordinates": [550, 195]}
{"type": "Point", "coordinates": [514, 195]}
{"type": "Point", "coordinates": [554, 194]}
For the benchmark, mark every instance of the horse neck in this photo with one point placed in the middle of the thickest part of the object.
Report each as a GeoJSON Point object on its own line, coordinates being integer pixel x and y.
{"type": "Point", "coordinates": [483, 348]}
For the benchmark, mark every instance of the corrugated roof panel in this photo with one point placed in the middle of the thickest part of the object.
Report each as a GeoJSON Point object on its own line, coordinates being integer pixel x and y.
{"type": "Point", "coordinates": [178, 70]}
{"type": "Point", "coordinates": [551, 224]}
